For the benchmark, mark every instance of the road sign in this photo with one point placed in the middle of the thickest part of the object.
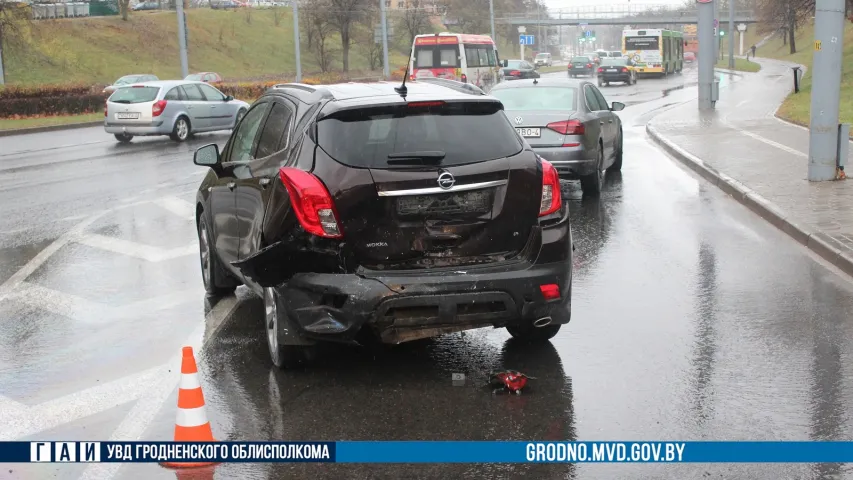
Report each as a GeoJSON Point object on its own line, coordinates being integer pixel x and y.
{"type": "Point", "coordinates": [741, 27]}
{"type": "Point", "coordinates": [522, 29]}
{"type": "Point", "coordinates": [526, 39]}
{"type": "Point", "coordinates": [818, 46]}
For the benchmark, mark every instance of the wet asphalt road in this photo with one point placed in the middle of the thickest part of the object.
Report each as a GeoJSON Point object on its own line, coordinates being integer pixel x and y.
{"type": "Point", "coordinates": [693, 319]}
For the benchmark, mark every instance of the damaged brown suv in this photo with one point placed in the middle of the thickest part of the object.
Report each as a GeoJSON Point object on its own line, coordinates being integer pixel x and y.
{"type": "Point", "coordinates": [400, 213]}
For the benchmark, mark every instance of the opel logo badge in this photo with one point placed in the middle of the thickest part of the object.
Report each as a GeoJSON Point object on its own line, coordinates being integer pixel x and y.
{"type": "Point", "coordinates": [519, 120]}
{"type": "Point", "coordinates": [446, 180]}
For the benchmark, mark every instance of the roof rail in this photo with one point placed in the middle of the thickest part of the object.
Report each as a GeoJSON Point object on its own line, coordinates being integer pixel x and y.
{"type": "Point", "coordinates": [299, 86]}
{"type": "Point", "coordinates": [454, 85]}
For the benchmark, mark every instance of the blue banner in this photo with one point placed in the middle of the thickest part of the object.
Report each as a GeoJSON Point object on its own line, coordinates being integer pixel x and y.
{"type": "Point", "coordinates": [428, 452]}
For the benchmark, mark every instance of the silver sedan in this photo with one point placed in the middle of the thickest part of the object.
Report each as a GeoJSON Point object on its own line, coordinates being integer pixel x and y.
{"type": "Point", "coordinates": [569, 123]}
{"type": "Point", "coordinates": [176, 108]}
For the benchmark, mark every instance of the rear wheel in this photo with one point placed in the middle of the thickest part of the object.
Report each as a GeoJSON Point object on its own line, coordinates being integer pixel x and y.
{"type": "Point", "coordinates": [216, 280]}
{"type": "Point", "coordinates": [181, 130]}
{"type": "Point", "coordinates": [529, 333]}
{"type": "Point", "coordinates": [124, 137]}
{"type": "Point", "coordinates": [282, 356]}
{"type": "Point", "coordinates": [592, 184]}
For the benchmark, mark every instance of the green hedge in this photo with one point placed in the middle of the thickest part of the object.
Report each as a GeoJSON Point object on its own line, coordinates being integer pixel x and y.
{"type": "Point", "coordinates": [50, 106]}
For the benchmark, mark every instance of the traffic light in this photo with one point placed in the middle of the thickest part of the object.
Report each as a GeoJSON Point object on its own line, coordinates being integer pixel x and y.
{"type": "Point", "coordinates": [722, 33]}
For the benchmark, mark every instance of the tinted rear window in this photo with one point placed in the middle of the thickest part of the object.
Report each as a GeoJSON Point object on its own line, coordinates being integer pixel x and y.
{"type": "Point", "coordinates": [537, 98]}
{"type": "Point", "coordinates": [615, 61]}
{"type": "Point", "coordinates": [465, 132]}
{"type": "Point", "coordinates": [135, 95]}
{"type": "Point", "coordinates": [581, 60]}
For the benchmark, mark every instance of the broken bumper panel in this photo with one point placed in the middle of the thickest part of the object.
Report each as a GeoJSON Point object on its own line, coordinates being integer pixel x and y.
{"type": "Point", "coordinates": [401, 307]}
{"type": "Point", "coordinates": [407, 305]}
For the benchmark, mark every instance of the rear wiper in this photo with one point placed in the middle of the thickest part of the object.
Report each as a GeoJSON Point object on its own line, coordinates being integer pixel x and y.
{"type": "Point", "coordinates": [122, 101]}
{"type": "Point", "coordinates": [415, 158]}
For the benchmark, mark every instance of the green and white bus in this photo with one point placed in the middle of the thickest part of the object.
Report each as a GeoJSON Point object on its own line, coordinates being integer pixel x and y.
{"type": "Point", "coordinates": [654, 50]}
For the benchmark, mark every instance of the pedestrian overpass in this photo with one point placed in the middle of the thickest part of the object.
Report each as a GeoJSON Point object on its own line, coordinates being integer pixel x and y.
{"type": "Point", "coordinates": [618, 15]}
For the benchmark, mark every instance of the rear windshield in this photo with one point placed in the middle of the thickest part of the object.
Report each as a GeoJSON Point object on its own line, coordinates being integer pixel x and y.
{"type": "Point", "coordinates": [437, 56]}
{"type": "Point", "coordinates": [466, 132]}
{"type": "Point", "coordinates": [135, 95]}
{"type": "Point", "coordinates": [615, 61]}
{"type": "Point", "coordinates": [537, 98]}
{"type": "Point", "coordinates": [581, 60]}
{"type": "Point", "coordinates": [513, 63]}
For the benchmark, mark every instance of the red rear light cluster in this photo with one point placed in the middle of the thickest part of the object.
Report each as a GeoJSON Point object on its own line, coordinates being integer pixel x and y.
{"type": "Point", "coordinates": [601, 70]}
{"type": "Point", "coordinates": [158, 108]}
{"type": "Point", "coordinates": [567, 127]}
{"type": "Point", "coordinates": [550, 291]}
{"type": "Point", "coordinates": [515, 73]}
{"type": "Point", "coordinates": [551, 196]}
{"type": "Point", "coordinates": [424, 104]}
{"type": "Point", "coordinates": [311, 202]}
{"type": "Point", "coordinates": [588, 65]}
{"type": "Point", "coordinates": [106, 104]}
{"type": "Point", "coordinates": [624, 70]}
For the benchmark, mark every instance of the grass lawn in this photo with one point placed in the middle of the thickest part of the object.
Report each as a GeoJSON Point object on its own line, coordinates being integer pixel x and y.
{"type": "Point", "coordinates": [8, 124]}
{"type": "Point", "coordinates": [552, 69]}
{"type": "Point", "coordinates": [741, 65]}
{"type": "Point", "coordinates": [797, 107]}
{"type": "Point", "coordinates": [238, 44]}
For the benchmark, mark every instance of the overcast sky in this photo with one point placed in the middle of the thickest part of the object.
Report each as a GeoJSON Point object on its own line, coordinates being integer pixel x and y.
{"type": "Point", "coordinates": [558, 4]}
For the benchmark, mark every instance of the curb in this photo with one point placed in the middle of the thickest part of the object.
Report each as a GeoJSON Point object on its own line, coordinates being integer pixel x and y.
{"type": "Point", "coordinates": [823, 245]}
{"type": "Point", "coordinates": [48, 128]}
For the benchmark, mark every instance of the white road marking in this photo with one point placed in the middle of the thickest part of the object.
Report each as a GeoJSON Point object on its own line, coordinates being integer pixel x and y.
{"type": "Point", "coordinates": [181, 208]}
{"type": "Point", "coordinates": [136, 249]}
{"type": "Point", "coordinates": [774, 144]}
{"type": "Point", "coordinates": [146, 409]}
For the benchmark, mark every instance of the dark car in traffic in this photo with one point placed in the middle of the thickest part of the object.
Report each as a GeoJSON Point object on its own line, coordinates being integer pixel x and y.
{"type": "Point", "coordinates": [570, 124]}
{"type": "Point", "coordinates": [616, 70]}
{"type": "Point", "coordinates": [518, 69]}
{"type": "Point", "coordinates": [359, 210]}
{"type": "Point", "coordinates": [581, 66]}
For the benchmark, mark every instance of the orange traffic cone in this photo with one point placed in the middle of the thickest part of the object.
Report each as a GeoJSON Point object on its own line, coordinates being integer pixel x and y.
{"type": "Point", "coordinates": [191, 424]}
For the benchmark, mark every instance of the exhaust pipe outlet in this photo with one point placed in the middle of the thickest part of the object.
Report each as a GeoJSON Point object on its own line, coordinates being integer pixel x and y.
{"type": "Point", "coordinates": [542, 322]}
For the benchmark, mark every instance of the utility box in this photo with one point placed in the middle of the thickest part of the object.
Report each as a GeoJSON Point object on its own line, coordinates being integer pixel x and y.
{"type": "Point", "coordinates": [715, 90]}
{"type": "Point", "coordinates": [60, 10]}
{"type": "Point", "coordinates": [69, 9]}
{"type": "Point", "coordinates": [81, 9]}
{"type": "Point", "coordinates": [843, 144]}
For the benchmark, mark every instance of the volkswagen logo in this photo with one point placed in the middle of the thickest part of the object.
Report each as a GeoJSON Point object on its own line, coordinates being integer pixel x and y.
{"type": "Point", "coordinates": [446, 180]}
{"type": "Point", "coordinates": [519, 120]}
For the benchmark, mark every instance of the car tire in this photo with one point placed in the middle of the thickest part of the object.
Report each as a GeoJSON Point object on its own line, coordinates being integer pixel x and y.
{"type": "Point", "coordinates": [181, 130]}
{"type": "Point", "coordinates": [240, 114]}
{"type": "Point", "coordinates": [217, 281]}
{"type": "Point", "coordinates": [531, 334]}
{"type": "Point", "coordinates": [592, 184]}
{"type": "Point", "coordinates": [124, 137]}
{"type": "Point", "coordinates": [617, 161]}
{"type": "Point", "coordinates": [284, 357]}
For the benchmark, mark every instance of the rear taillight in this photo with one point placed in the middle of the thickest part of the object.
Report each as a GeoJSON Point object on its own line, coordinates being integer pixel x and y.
{"type": "Point", "coordinates": [624, 70]}
{"type": "Point", "coordinates": [600, 70]}
{"type": "Point", "coordinates": [551, 197]}
{"type": "Point", "coordinates": [567, 127]}
{"type": "Point", "coordinates": [311, 202]}
{"type": "Point", "coordinates": [588, 65]}
{"type": "Point", "coordinates": [106, 107]}
{"type": "Point", "coordinates": [464, 78]}
{"type": "Point", "coordinates": [515, 73]}
{"type": "Point", "coordinates": [437, 103]}
{"type": "Point", "coordinates": [158, 108]}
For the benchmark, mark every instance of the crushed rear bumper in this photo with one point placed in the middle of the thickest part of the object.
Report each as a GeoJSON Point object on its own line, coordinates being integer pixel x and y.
{"type": "Point", "coordinates": [400, 306]}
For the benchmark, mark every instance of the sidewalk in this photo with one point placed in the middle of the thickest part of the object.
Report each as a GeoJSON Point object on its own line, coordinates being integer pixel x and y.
{"type": "Point", "coordinates": [762, 161]}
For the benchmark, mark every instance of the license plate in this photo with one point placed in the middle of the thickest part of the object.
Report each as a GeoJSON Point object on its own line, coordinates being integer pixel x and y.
{"type": "Point", "coordinates": [530, 132]}
{"type": "Point", "coordinates": [578, 66]}
{"type": "Point", "coordinates": [612, 70]}
{"type": "Point", "coordinates": [476, 202]}
{"type": "Point", "coordinates": [127, 115]}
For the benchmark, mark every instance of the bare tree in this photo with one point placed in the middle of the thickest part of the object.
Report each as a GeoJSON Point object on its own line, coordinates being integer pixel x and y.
{"type": "Point", "coordinates": [785, 16]}
{"type": "Point", "coordinates": [14, 20]}
{"type": "Point", "coordinates": [415, 19]}
{"type": "Point", "coordinates": [124, 8]}
{"type": "Point", "coordinates": [343, 15]}
{"type": "Point", "coordinates": [319, 28]}
{"type": "Point", "coordinates": [365, 38]}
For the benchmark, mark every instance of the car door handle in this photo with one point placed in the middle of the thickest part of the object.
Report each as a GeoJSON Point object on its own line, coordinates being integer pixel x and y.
{"type": "Point", "coordinates": [610, 121]}
{"type": "Point", "coordinates": [231, 185]}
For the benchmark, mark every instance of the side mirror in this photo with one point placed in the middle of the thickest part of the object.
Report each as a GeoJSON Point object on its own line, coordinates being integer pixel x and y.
{"type": "Point", "coordinates": [617, 107]}
{"type": "Point", "coordinates": [207, 156]}
{"type": "Point", "coordinates": [229, 98]}
{"type": "Point", "coordinates": [503, 63]}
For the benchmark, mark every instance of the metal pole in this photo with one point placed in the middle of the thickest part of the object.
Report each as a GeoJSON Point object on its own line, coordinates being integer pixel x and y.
{"type": "Point", "coordinates": [826, 89]}
{"type": "Point", "coordinates": [182, 38]}
{"type": "Point", "coordinates": [296, 40]}
{"type": "Point", "coordinates": [741, 42]}
{"type": "Point", "coordinates": [707, 57]}
{"type": "Point", "coordinates": [732, 34]}
{"type": "Point", "coordinates": [719, 26]}
{"type": "Point", "coordinates": [385, 68]}
{"type": "Point", "coordinates": [491, 16]}
{"type": "Point", "coordinates": [2, 70]}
